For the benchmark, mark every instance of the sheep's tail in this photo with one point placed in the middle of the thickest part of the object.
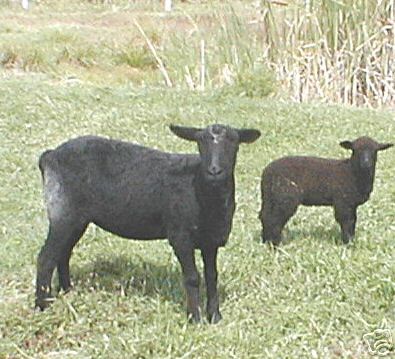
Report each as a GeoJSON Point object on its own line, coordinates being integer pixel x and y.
{"type": "Point", "coordinates": [54, 197]}
{"type": "Point", "coordinates": [43, 160]}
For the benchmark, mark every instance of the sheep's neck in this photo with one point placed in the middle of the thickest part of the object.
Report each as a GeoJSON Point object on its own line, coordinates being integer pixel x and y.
{"type": "Point", "coordinates": [215, 199]}
{"type": "Point", "coordinates": [217, 205]}
{"type": "Point", "coordinates": [364, 180]}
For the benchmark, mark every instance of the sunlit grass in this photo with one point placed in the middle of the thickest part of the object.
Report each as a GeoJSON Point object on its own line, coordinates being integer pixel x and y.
{"type": "Point", "coordinates": [81, 67]}
{"type": "Point", "coordinates": [312, 296]}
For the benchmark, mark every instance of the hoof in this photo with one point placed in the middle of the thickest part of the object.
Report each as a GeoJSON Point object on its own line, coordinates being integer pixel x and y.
{"type": "Point", "coordinates": [64, 290]}
{"type": "Point", "coordinates": [214, 318]}
{"type": "Point", "coordinates": [273, 244]}
{"type": "Point", "coordinates": [347, 239]}
{"type": "Point", "coordinates": [43, 303]}
{"type": "Point", "coordinates": [194, 318]}
{"type": "Point", "coordinates": [347, 242]}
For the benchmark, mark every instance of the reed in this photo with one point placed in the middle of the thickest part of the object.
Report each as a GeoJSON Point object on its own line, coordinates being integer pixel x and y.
{"type": "Point", "coordinates": [337, 51]}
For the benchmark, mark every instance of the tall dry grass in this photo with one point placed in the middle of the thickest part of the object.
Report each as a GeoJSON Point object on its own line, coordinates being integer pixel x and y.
{"type": "Point", "coordinates": [340, 51]}
{"type": "Point", "coordinates": [327, 50]}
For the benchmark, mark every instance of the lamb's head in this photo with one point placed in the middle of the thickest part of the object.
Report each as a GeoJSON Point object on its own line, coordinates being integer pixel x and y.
{"type": "Point", "coordinates": [218, 145]}
{"type": "Point", "coordinates": [364, 152]}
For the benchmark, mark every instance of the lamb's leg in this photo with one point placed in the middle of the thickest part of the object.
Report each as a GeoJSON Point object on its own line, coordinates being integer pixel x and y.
{"type": "Point", "coordinates": [263, 216]}
{"type": "Point", "coordinates": [63, 264]}
{"type": "Point", "coordinates": [186, 256]}
{"type": "Point", "coordinates": [280, 200]}
{"type": "Point", "coordinates": [271, 230]}
{"type": "Point", "coordinates": [211, 275]}
{"type": "Point", "coordinates": [347, 218]}
{"type": "Point", "coordinates": [272, 233]}
{"type": "Point", "coordinates": [265, 212]}
{"type": "Point", "coordinates": [275, 219]}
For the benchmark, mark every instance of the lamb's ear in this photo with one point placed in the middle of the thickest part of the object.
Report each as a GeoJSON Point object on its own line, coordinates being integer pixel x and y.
{"type": "Point", "coordinates": [248, 136]}
{"type": "Point", "coordinates": [384, 146]}
{"type": "Point", "coordinates": [187, 133]}
{"type": "Point", "coordinates": [347, 145]}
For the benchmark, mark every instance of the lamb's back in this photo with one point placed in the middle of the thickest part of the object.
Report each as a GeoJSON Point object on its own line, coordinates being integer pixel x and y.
{"type": "Point", "coordinates": [315, 180]}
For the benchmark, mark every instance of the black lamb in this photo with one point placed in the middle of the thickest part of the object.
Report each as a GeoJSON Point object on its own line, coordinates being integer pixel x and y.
{"type": "Point", "coordinates": [142, 193]}
{"type": "Point", "coordinates": [311, 181]}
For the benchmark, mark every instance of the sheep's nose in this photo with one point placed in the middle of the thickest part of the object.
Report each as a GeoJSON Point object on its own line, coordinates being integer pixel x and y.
{"type": "Point", "coordinates": [365, 161]}
{"type": "Point", "coordinates": [214, 170]}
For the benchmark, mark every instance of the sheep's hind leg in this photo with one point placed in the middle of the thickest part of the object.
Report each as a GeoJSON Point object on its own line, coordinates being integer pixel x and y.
{"type": "Point", "coordinates": [63, 265]}
{"type": "Point", "coordinates": [347, 218]}
{"type": "Point", "coordinates": [271, 231]}
{"type": "Point", "coordinates": [211, 275]}
{"type": "Point", "coordinates": [46, 262]}
{"type": "Point", "coordinates": [186, 256]}
{"type": "Point", "coordinates": [264, 218]}
{"type": "Point", "coordinates": [61, 236]}
{"type": "Point", "coordinates": [274, 220]}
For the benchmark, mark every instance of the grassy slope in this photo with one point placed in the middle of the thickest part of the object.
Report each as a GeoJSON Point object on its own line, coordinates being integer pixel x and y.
{"type": "Point", "coordinates": [313, 294]}
{"type": "Point", "coordinates": [313, 298]}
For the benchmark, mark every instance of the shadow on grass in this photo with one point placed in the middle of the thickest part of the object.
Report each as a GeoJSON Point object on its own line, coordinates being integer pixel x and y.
{"type": "Point", "coordinates": [119, 275]}
{"type": "Point", "coordinates": [319, 233]}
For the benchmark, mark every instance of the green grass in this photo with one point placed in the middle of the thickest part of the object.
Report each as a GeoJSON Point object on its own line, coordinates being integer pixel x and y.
{"type": "Point", "coordinates": [62, 76]}
{"type": "Point", "coordinates": [312, 296]}
{"type": "Point", "coordinates": [102, 44]}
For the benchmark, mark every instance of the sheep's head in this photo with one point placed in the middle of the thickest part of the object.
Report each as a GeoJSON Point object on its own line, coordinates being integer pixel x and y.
{"type": "Point", "coordinates": [364, 152]}
{"type": "Point", "coordinates": [218, 145]}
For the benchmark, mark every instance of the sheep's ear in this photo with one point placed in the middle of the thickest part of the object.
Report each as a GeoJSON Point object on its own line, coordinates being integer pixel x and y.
{"type": "Point", "coordinates": [248, 136]}
{"type": "Point", "coordinates": [187, 133]}
{"type": "Point", "coordinates": [346, 144]}
{"type": "Point", "coordinates": [384, 146]}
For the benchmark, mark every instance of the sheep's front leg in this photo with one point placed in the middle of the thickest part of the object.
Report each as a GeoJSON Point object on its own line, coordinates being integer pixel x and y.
{"type": "Point", "coordinates": [211, 274]}
{"type": "Point", "coordinates": [186, 257]}
{"type": "Point", "coordinates": [347, 218]}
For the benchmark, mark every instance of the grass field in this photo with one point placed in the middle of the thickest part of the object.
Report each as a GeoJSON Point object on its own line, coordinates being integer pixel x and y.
{"type": "Point", "coordinates": [313, 298]}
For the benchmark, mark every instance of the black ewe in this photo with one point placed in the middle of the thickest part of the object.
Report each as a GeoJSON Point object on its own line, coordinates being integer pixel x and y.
{"type": "Point", "coordinates": [141, 193]}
